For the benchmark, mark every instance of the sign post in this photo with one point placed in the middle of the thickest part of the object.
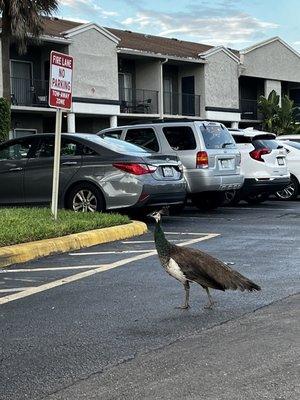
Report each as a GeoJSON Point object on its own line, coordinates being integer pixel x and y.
{"type": "Point", "coordinates": [60, 97]}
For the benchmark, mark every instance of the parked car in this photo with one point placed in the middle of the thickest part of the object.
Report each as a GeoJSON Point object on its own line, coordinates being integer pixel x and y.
{"type": "Point", "coordinates": [294, 138]}
{"type": "Point", "coordinates": [210, 158]}
{"type": "Point", "coordinates": [96, 174]}
{"type": "Point", "coordinates": [263, 163]}
{"type": "Point", "coordinates": [292, 190]}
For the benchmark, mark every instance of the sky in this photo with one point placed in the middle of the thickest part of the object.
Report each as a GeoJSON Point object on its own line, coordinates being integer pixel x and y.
{"type": "Point", "coordinates": [233, 23]}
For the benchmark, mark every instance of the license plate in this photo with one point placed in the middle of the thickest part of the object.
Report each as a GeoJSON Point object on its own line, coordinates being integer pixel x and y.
{"type": "Point", "coordinates": [280, 161]}
{"type": "Point", "coordinates": [167, 171]}
{"type": "Point", "coordinates": [226, 164]}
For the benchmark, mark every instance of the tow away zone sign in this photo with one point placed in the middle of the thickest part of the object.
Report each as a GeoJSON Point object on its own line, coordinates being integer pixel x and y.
{"type": "Point", "coordinates": [60, 86]}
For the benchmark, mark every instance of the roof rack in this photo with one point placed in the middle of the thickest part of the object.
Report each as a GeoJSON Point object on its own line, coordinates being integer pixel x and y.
{"type": "Point", "coordinates": [162, 120]}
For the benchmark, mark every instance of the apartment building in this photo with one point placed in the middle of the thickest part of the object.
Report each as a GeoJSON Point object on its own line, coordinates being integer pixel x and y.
{"type": "Point", "coordinates": [123, 76]}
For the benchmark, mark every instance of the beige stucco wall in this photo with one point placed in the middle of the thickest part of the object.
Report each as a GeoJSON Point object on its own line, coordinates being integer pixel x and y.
{"type": "Point", "coordinates": [221, 81]}
{"type": "Point", "coordinates": [95, 66]}
{"type": "Point", "coordinates": [272, 85]}
{"type": "Point", "coordinates": [272, 61]}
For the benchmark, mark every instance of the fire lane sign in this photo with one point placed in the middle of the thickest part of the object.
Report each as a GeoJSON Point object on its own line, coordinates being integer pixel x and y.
{"type": "Point", "coordinates": [60, 85]}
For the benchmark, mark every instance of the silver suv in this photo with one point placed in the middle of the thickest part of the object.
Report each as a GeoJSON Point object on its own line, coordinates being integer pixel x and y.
{"type": "Point", "coordinates": [209, 155]}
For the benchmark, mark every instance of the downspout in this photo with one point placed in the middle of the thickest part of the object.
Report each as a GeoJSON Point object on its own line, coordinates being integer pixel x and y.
{"type": "Point", "coordinates": [161, 90]}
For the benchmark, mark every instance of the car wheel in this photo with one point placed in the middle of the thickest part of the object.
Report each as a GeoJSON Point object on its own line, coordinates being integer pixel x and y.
{"type": "Point", "coordinates": [85, 198]}
{"type": "Point", "coordinates": [257, 198]}
{"type": "Point", "coordinates": [208, 201]}
{"type": "Point", "coordinates": [231, 197]}
{"type": "Point", "coordinates": [290, 192]}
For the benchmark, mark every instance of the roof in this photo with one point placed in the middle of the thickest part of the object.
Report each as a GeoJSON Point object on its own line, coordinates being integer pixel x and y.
{"type": "Point", "coordinates": [158, 44]}
{"type": "Point", "coordinates": [59, 28]}
{"type": "Point", "coordinates": [269, 41]}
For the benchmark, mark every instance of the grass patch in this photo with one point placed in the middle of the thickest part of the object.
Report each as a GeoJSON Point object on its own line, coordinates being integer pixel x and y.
{"type": "Point", "coordinates": [19, 225]}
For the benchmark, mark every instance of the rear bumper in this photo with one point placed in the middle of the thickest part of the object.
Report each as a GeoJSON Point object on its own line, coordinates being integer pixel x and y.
{"type": "Point", "coordinates": [204, 181]}
{"type": "Point", "coordinates": [162, 194]}
{"type": "Point", "coordinates": [255, 186]}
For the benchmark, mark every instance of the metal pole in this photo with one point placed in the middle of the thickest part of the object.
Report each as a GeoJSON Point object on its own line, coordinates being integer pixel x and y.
{"type": "Point", "coordinates": [56, 163]}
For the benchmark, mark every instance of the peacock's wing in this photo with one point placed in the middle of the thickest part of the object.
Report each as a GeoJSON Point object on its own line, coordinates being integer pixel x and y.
{"type": "Point", "coordinates": [209, 271]}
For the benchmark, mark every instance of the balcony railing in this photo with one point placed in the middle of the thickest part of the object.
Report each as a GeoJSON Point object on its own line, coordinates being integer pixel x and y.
{"type": "Point", "coordinates": [138, 101]}
{"type": "Point", "coordinates": [182, 104]}
{"type": "Point", "coordinates": [249, 110]}
{"type": "Point", "coordinates": [28, 92]}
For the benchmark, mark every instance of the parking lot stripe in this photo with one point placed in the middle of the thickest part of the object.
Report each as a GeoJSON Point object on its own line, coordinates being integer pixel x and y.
{"type": "Point", "coordinates": [8, 271]}
{"type": "Point", "coordinates": [95, 253]}
{"type": "Point", "coordinates": [145, 241]}
{"type": "Point", "coordinates": [14, 289]}
{"type": "Point", "coordinates": [85, 274]}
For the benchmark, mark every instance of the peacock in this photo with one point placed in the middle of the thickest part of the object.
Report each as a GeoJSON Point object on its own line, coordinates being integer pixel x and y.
{"type": "Point", "coordinates": [190, 265]}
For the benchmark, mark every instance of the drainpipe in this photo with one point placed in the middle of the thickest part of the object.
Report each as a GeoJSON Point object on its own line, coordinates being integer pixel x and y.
{"type": "Point", "coordinates": [161, 89]}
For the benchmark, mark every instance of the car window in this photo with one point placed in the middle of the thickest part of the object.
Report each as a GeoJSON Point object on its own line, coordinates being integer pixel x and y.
{"type": "Point", "coordinates": [216, 136]}
{"type": "Point", "coordinates": [242, 139]}
{"type": "Point", "coordinates": [87, 151]}
{"type": "Point", "coordinates": [180, 137]}
{"type": "Point", "coordinates": [68, 148]}
{"type": "Point", "coordinates": [296, 145]}
{"type": "Point", "coordinates": [16, 151]}
{"type": "Point", "coordinates": [114, 134]}
{"type": "Point", "coordinates": [144, 137]}
{"type": "Point", "coordinates": [271, 144]}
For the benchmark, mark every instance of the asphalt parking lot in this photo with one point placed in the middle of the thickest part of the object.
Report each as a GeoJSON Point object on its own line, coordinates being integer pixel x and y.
{"type": "Point", "coordinates": [72, 318]}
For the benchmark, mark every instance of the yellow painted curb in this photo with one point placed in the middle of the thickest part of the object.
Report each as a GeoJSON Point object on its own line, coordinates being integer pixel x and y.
{"type": "Point", "coordinates": [19, 253]}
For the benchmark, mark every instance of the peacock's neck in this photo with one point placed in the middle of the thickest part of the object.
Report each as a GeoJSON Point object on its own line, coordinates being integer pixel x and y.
{"type": "Point", "coordinates": [162, 245]}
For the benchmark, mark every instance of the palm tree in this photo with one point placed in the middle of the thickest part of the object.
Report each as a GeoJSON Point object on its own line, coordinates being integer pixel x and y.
{"type": "Point", "coordinates": [269, 108]}
{"type": "Point", "coordinates": [21, 20]}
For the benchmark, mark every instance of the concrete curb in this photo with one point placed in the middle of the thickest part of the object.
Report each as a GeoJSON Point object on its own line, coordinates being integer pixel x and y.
{"type": "Point", "coordinates": [19, 253]}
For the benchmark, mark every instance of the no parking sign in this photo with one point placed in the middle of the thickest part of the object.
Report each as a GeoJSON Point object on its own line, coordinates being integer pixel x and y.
{"type": "Point", "coordinates": [60, 85]}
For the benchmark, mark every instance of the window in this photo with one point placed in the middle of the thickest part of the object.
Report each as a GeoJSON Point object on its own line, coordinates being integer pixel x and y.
{"type": "Point", "coordinates": [180, 137]}
{"type": "Point", "coordinates": [18, 132]}
{"type": "Point", "coordinates": [144, 137]}
{"type": "Point", "coordinates": [270, 144]}
{"type": "Point", "coordinates": [114, 134]}
{"type": "Point", "coordinates": [16, 151]}
{"type": "Point", "coordinates": [216, 136]}
{"type": "Point", "coordinates": [68, 148]}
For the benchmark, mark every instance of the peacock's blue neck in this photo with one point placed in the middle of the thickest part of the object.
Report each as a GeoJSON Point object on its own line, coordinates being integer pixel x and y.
{"type": "Point", "coordinates": [162, 245]}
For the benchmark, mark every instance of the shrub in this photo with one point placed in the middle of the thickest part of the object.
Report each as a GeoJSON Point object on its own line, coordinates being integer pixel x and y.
{"type": "Point", "coordinates": [4, 119]}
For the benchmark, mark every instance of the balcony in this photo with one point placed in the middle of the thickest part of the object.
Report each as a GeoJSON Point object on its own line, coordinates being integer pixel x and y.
{"type": "Point", "coordinates": [249, 110]}
{"type": "Point", "coordinates": [181, 104]}
{"type": "Point", "coordinates": [29, 92]}
{"type": "Point", "coordinates": [138, 101]}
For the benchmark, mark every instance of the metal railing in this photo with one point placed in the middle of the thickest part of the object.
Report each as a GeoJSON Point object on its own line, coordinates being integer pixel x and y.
{"type": "Point", "coordinates": [249, 110]}
{"type": "Point", "coordinates": [29, 92]}
{"type": "Point", "coordinates": [138, 101]}
{"type": "Point", "coordinates": [182, 104]}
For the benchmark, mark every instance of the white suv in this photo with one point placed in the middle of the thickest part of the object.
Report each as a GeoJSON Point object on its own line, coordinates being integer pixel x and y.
{"type": "Point", "coordinates": [263, 163]}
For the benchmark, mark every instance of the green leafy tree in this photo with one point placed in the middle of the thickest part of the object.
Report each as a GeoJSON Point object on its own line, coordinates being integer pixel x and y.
{"type": "Point", "coordinates": [269, 108]}
{"type": "Point", "coordinates": [286, 117]}
{"type": "Point", "coordinates": [4, 119]}
{"type": "Point", "coordinates": [21, 20]}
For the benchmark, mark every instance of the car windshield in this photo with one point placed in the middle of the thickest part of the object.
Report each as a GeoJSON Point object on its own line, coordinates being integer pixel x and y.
{"type": "Point", "coordinates": [217, 137]}
{"type": "Point", "coordinates": [271, 144]}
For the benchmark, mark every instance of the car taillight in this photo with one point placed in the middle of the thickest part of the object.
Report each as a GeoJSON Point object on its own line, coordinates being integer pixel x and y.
{"type": "Point", "coordinates": [136, 169]}
{"type": "Point", "coordinates": [202, 159]}
{"type": "Point", "coordinates": [257, 153]}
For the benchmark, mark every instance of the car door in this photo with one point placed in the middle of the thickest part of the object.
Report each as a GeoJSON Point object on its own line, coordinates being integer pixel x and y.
{"type": "Point", "coordinates": [39, 171]}
{"type": "Point", "coordinates": [14, 157]}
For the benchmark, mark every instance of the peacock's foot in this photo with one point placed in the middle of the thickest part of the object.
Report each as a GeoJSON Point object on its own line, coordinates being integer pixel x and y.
{"type": "Point", "coordinates": [210, 305]}
{"type": "Point", "coordinates": [183, 307]}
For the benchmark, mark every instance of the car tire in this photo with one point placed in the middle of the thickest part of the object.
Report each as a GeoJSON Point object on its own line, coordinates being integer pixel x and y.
{"type": "Point", "coordinates": [257, 198]}
{"type": "Point", "coordinates": [208, 200]}
{"type": "Point", "coordinates": [232, 197]}
{"type": "Point", "coordinates": [290, 192]}
{"type": "Point", "coordinates": [85, 197]}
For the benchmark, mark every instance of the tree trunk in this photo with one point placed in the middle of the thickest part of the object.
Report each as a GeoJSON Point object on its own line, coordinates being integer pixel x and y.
{"type": "Point", "coordinates": [5, 47]}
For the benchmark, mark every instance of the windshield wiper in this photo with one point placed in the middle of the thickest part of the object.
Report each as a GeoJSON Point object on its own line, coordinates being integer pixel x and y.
{"type": "Point", "coordinates": [226, 144]}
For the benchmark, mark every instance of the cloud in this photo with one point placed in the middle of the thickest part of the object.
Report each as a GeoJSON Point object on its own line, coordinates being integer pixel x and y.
{"type": "Point", "coordinates": [87, 8]}
{"type": "Point", "coordinates": [222, 23]}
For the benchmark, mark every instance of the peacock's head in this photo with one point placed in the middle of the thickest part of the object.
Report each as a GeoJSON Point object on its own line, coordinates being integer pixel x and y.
{"type": "Point", "coordinates": [157, 214]}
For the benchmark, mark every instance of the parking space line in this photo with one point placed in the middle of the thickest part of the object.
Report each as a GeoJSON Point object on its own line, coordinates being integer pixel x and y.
{"type": "Point", "coordinates": [185, 233]}
{"type": "Point", "coordinates": [15, 289]}
{"type": "Point", "coordinates": [7, 271]}
{"type": "Point", "coordinates": [85, 274]}
{"type": "Point", "coordinates": [145, 241]}
{"type": "Point", "coordinates": [96, 253]}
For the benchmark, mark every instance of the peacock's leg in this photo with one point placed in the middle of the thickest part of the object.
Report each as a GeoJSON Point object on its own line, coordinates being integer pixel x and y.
{"type": "Point", "coordinates": [210, 300]}
{"type": "Point", "coordinates": [187, 296]}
